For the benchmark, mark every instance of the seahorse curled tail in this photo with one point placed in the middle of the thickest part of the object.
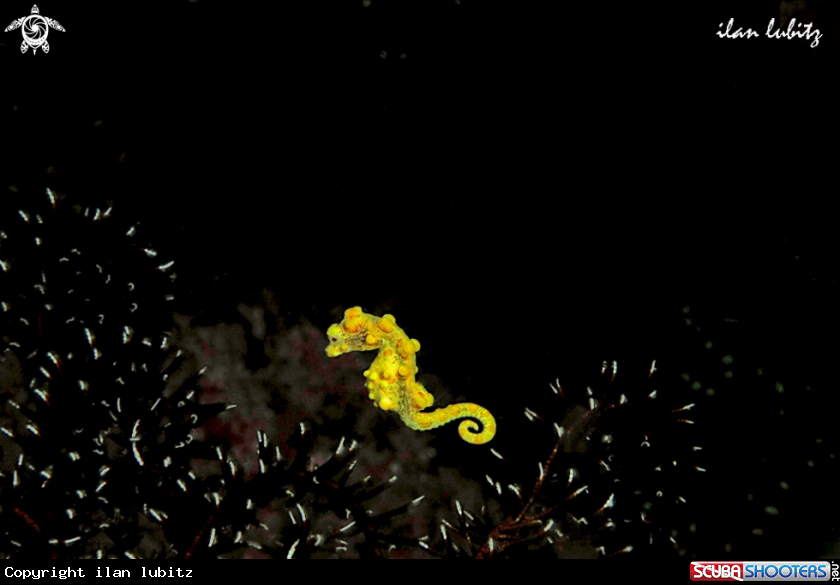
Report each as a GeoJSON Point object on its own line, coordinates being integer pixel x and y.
{"type": "Point", "coordinates": [468, 429]}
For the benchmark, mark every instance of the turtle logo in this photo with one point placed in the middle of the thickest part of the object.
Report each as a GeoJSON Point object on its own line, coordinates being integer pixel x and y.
{"type": "Point", "coordinates": [35, 28]}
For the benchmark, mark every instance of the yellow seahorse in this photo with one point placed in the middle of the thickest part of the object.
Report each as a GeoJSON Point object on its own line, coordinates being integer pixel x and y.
{"type": "Point", "coordinates": [390, 378]}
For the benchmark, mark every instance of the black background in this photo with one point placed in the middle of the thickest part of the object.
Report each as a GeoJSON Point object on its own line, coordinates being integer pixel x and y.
{"type": "Point", "coordinates": [554, 183]}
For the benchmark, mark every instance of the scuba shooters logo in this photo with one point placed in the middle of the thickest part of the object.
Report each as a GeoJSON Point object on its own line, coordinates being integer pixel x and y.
{"type": "Point", "coordinates": [764, 571]}
{"type": "Point", "coordinates": [35, 29]}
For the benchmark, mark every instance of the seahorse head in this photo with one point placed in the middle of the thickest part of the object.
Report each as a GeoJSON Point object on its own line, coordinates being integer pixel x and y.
{"type": "Point", "coordinates": [351, 334]}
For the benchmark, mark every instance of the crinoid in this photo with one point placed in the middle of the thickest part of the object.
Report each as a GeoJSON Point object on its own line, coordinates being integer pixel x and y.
{"type": "Point", "coordinates": [91, 438]}
{"type": "Point", "coordinates": [622, 468]}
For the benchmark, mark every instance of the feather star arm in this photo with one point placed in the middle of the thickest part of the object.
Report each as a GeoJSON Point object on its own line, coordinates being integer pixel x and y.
{"type": "Point", "coordinates": [390, 379]}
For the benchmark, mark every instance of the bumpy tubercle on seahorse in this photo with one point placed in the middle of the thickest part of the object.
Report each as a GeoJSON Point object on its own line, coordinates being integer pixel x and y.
{"type": "Point", "coordinates": [390, 379]}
